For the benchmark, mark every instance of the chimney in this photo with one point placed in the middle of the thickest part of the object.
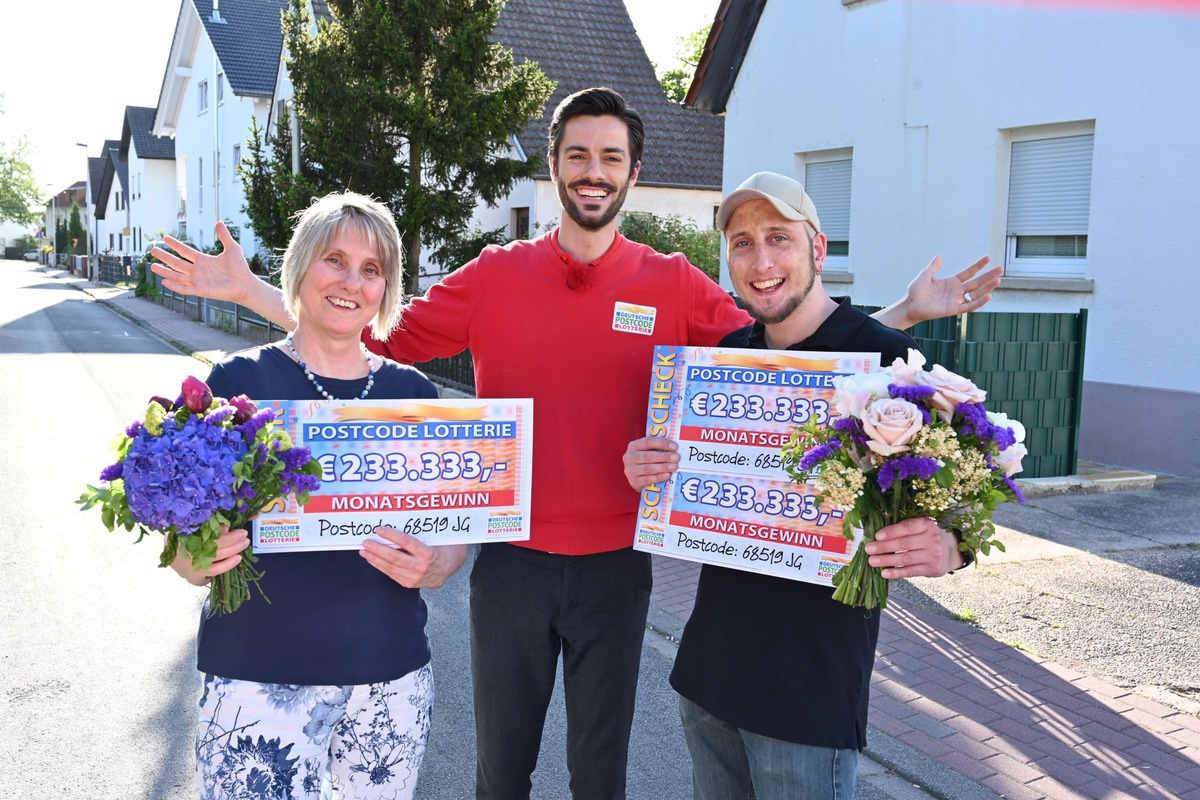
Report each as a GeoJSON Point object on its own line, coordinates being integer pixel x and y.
{"type": "Point", "coordinates": [216, 15]}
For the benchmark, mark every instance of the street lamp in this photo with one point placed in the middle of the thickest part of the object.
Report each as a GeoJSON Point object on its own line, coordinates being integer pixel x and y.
{"type": "Point", "coordinates": [87, 203]}
{"type": "Point", "coordinates": [53, 221]}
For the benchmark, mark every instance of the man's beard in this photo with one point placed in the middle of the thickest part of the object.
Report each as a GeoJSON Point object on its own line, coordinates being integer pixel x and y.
{"type": "Point", "coordinates": [576, 214]}
{"type": "Point", "coordinates": [789, 306]}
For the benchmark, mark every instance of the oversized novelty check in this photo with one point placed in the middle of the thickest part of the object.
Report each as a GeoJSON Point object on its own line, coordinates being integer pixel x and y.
{"type": "Point", "coordinates": [731, 503]}
{"type": "Point", "coordinates": [445, 471]}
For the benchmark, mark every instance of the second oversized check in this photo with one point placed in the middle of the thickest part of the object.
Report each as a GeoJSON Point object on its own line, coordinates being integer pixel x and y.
{"type": "Point", "coordinates": [731, 503]}
{"type": "Point", "coordinates": [445, 471]}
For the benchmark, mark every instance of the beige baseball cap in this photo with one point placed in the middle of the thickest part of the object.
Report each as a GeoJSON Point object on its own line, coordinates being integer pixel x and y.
{"type": "Point", "coordinates": [786, 194]}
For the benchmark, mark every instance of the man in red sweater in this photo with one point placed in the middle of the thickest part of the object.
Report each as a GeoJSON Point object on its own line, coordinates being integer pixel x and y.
{"type": "Point", "coordinates": [570, 319]}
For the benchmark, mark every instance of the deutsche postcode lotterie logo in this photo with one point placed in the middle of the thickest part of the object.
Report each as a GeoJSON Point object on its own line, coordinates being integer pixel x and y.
{"type": "Point", "coordinates": [630, 318]}
{"type": "Point", "coordinates": [284, 531]}
{"type": "Point", "coordinates": [505, 523]}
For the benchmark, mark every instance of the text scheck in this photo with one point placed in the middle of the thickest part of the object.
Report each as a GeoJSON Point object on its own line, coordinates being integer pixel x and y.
{"type": "Point", "coordinates": [387, 431]}
{"type": "Point", "coordinates": [661, 390]}
{"type": "Point", "coordinates": [763, 377]}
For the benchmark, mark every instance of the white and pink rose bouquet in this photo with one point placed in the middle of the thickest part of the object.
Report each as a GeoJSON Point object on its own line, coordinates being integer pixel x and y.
{"type": "Point", "coordinates": [908, 442]}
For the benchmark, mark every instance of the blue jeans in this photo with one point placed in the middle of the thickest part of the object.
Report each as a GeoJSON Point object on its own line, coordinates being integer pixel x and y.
{"type": "Point", "coordinates": [526, 607]}
{"type": "Point", "coordinates": [727, 762]}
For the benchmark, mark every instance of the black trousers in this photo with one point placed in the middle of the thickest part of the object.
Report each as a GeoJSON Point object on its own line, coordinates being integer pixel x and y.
{"type": "Point", "coordinates": [528, 606]}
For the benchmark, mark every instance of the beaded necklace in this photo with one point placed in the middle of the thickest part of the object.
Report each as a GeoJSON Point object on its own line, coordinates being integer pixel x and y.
{"type": "Point", "coordinates": [308, 372]}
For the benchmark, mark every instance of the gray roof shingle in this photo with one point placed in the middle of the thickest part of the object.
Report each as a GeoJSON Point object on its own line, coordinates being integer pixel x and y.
{"type": "Point", "coordinates": [138, 122]}
{"type": "Point", "coordinates": [248, 39]}
{"type": "Point", "coordinates": [593, 43]}
{"type": "Point", "coordinates": [96, 174]}
{"type": "Point", "coordinates": [109, 170]}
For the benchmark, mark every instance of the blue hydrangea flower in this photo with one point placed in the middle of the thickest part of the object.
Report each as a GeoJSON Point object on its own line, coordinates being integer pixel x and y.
{"type": "Point", "coordinates": [182, 477]}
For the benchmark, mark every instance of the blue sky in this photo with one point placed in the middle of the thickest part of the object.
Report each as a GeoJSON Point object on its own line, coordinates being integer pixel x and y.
{"type": "Point", "coordinates": [53, 50]}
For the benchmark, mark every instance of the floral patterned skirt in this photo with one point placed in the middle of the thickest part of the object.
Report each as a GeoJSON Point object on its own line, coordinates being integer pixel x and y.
{"type": "Point", "coordinates": [271, 741]}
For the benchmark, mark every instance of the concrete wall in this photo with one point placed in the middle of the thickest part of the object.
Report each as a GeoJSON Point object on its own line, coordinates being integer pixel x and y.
{"type": "Point", "coordinates": [928, 95]}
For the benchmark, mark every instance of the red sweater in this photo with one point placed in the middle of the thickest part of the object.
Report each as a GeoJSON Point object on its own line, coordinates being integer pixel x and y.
{"type": "Point", "coordinates": [531, 335]}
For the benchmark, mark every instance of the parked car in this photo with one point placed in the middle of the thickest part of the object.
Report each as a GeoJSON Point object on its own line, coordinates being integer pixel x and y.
{"type": "Point", "coordinates": [32, 255]}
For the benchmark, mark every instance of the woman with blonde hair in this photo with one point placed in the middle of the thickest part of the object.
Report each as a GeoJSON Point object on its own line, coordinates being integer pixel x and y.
{"type": "Point", "coordinates": [326, 690]}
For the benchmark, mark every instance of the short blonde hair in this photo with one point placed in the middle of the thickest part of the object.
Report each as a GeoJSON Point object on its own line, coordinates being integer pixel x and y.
{"type": "Point", "coordinates": [315, 230]}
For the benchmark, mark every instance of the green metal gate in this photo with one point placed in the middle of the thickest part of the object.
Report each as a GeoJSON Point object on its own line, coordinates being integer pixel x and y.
{"type": "Point", "coordinates": [1030, 365]}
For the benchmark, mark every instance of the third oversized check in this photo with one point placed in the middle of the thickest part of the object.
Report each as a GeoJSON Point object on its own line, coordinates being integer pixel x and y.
{"type": "Point", "coordinates": [731, 503]}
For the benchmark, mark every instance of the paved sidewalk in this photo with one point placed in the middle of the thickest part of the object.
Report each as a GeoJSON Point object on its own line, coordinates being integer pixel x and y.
{"type": "Point", "coordinates": [956, 713]}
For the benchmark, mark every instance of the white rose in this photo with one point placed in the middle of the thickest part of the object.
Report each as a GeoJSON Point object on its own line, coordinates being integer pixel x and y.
{"type": "Point", "coordinates": [949, 390]}
{"type": "Point", "coordinates": [1001, 420]}
{"type": "Point", "coordinates": [853, 393]}
{"type": "Point", "coordinates": [891, 424]}
{"type": "Point", "coordinates": [1009, 461]}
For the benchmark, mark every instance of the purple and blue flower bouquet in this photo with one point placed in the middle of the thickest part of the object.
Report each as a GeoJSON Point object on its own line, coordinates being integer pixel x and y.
{"type": "Point", "coordinates": [189, 467]}
{"type": "Point", "coordinates": [908, 443]}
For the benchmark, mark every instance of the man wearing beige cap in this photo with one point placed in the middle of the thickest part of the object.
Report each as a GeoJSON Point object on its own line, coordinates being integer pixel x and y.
{"type": "Point", "coordinates": [774, 674]}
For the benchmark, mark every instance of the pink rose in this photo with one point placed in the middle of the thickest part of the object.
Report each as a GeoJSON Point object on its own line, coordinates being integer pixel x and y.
{"type": "Point", "coordinates": [950, 390]}
{"type": "Point", "coordinates": [908, 373]}
{"type": "Point", "coordinates": [891, 424]}
{"type": "Point", "coordinates": [855, 392]}
{"type": "Point", "coordinates": [1009, 459]}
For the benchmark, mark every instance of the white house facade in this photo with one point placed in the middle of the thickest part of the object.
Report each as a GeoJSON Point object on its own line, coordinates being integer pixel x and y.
{"type": "Point", "coordinates": [1054, 139]}
{"type": "Point", "coordinates": [150, 163]}
{"type": "Point", "coordinates": [220, 73]}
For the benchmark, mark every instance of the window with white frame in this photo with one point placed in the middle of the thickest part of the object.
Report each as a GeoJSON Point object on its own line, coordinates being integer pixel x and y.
{"type": "Point", "coordinates": [1049, 202]}
{"type": "Point", "coordinates": [220, 87]}
{"type": "Point", "coordinates": [237, 159]}
{"type": "Point", "coordinates": [201, 97]}
{"type": "Point", "coordinates": [827, 181]}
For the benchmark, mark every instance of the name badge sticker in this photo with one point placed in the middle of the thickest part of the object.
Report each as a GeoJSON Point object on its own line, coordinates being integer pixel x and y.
{"type": "Point", "coordinates": [631, 318]}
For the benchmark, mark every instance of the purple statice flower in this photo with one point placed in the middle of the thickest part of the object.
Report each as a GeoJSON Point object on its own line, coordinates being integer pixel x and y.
{"type": "Point", "coordinates": [1011, 484]}
{"type": "Point", "coordinates": [291, 479]}
{"type": "Point", "coordinates": [819, 454]}
{"type": "Point", "coordinates": [913, 394]}
{"type": "Point", "coordinates": [220, 415]}
{"type": "Point", "coordinates": [134, 429]}
{"type": "Point", "coordinates": [1005, 437]}
{"type": "Point", "coordinates": [250, 428]}
{"type": "Point", "coordinates": [852, 426]}
{"type": "Point", "coordinates": [902, 467]}
{"type": "Point", "coordinates": [112, 472]}
{"type": "Point", "coordinates": [181, 477]}
{"type": "Point", "coordinates": [975, 421]}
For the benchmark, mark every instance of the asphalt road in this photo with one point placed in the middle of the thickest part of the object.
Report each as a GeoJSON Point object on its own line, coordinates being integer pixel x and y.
{"type": "Point", "coordinates": [98, 685]}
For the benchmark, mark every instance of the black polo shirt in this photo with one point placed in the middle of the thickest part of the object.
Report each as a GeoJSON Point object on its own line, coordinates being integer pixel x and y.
{"type": "Point", "coordinates": [778, 657]}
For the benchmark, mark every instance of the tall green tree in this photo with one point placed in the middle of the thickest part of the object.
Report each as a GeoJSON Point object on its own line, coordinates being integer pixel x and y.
{"type": "Point", "coordinates": [19, 195]}
{"type": "Point", "coordinates": [76, 233]}
{"type": "Point", "coordinates": [678, 78]}
{"type": "Point", "coordinates": [273, 192]}
{"type": "Point", "coordinates": [410, 102]}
